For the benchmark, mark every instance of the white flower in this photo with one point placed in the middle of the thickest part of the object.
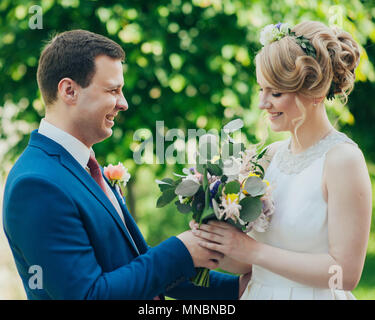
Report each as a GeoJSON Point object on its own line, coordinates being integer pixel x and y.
{"type": "Point", "coordinates": [232, 167]}
{"type": "Point", "coordinates": [267, 34]}
{"type": "Point", "coordinates": [284, 28]}
{"type": "Point", "coordinates": [126, 177]}
{"type": "Point", "coordinates": [272, 32]}
{"type": "Point", "coordinates": [231, 208]}
{"type": "Point", "coordinates": [181, 198]}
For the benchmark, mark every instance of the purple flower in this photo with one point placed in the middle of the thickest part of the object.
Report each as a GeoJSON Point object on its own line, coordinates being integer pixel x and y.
{"type": "Point", "coordinates": [278, 25]}
{"type": "Point", "coordinates": [213, 191]}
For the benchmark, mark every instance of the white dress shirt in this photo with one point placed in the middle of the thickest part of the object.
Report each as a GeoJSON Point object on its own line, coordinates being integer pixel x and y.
{"type": "Point", "coordinates": [79, 152]}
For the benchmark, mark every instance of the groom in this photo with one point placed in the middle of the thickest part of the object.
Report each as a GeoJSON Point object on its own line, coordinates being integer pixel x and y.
{"type": "Point", "coordinates": [61, 216]}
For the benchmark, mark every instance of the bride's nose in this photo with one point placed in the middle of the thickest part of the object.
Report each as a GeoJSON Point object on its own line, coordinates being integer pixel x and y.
{"type": "Point", "coordinates": [263, 104]}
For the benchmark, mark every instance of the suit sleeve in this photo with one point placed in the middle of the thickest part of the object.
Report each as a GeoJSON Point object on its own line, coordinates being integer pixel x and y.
{"type": "Point", "coordinates": [51, 234]}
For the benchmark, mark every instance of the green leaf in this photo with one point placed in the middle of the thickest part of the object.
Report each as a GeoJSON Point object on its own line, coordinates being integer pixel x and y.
{"type": "Point", "coordinates": [164, 184]}
{"type": "Point", "coordinates": [255, 186]}
{"type": "Point", "coordinates": [182, 207]}
{"type": "Point", "coordinates": [198, 204]}
{"type": "Point", "coordinates": [251, 208]}
{"type": "Point", "coordinates": [205, 179]}
{"type": "Point", "coordinates": [214, 169]}
{"type": "Point", "coordinates": [232, 187]}
{"type": "Point", "coordinates": [167, 196]}
{"type": "Point", "coordinates": [260, 155]}
{"type": "Point", "coordinates": [187, 188]}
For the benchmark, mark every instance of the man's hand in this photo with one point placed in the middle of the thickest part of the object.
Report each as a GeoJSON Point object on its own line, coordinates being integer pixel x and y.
{"type": "Point", "coordinates": [244, 280]}
{"type": "Point", "coordinates": [202, 257]}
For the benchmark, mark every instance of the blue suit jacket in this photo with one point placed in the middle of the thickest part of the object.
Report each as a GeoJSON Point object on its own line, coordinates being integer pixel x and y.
{"type": "Point", "coordinates": [56, 216]}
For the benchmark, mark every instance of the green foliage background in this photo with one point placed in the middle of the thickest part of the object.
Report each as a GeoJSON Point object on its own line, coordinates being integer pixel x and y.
{"type": "Point", "coordinates": [190, 63]}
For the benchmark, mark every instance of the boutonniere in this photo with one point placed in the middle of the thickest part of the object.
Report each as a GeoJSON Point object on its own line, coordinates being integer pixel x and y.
{"type": "Point", "coordinates": [118, 176]}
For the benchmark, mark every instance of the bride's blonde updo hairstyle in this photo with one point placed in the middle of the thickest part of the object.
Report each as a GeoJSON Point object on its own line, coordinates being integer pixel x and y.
{"type": "Point", "coordinates": [285, 65]}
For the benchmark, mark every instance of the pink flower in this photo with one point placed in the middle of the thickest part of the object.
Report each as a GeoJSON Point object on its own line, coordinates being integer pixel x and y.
{"type": "Point", "coordinates": [117, 173]}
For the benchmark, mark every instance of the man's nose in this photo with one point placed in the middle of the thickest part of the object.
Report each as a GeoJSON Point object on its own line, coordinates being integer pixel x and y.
{"type": "Point", "coordinates": [122, 104]}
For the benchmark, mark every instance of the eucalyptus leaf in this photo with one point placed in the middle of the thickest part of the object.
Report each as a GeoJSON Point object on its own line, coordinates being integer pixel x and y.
{"type": "Point", "coordinates": [187, 188]}
{"type": "Point", "coordinates": [232, 187]}
{"type": "Point", "coordinates": [251, 208]}
{"type": "Point", "coordinates": [255, 186]}
{"type": "Point", "coordinates": [233, 125]}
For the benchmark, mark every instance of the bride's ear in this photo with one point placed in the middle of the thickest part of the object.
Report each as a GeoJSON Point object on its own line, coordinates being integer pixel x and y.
{"type": "Point", "coordinates": [318, 100]}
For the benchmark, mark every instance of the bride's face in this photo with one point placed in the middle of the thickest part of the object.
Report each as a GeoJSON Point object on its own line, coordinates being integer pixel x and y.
{"type": "Point", "coordinates": [281, 107]}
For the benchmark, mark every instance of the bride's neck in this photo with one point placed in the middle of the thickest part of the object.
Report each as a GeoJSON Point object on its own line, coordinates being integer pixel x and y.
{"type": "Point", "coordinates": [316, 127]}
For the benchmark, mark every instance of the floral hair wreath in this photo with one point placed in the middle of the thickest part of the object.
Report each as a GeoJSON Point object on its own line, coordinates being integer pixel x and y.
{"type": "Point", "coordinates": [275, 32]}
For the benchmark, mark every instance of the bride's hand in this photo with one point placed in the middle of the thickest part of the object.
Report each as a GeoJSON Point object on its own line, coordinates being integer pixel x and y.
{"type": "Point", "coordinates": [223, 237]}
{"type": "Point", "coordinates": [228, 264]}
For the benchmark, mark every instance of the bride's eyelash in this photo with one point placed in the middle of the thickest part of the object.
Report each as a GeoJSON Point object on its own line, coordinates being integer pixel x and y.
{"type": "Point", "coordinates": [276, 95]}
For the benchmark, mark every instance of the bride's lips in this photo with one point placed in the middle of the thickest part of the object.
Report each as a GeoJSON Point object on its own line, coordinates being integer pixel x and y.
{"type": "Point", "coordinates": [275, 115]}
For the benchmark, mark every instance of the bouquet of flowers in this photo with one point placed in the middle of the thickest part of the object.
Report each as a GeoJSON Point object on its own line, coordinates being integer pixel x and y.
{"type": "Point", "coordinates": [225, 185]}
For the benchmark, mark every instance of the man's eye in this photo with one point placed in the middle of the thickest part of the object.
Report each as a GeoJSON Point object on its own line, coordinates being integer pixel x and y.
{"type": "Point", "coordinates": [276, 95]}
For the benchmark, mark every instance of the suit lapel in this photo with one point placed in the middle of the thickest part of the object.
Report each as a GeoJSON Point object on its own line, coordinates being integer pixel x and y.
{"type": "Point", "coordinates": [53, 148]}
{"type": "Point", "coordinates": [132, 226]}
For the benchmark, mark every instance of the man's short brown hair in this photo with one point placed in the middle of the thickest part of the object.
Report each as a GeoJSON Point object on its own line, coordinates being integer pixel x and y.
{"type": "Point", "coordinates": [72, 54]}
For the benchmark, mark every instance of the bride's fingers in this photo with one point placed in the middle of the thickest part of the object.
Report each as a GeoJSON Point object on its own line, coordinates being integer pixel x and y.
{"type": "Point", "coordinates": [220, 224]}
{"type": "Point", "coordinates": [212, 246]}
{"type": "Point", "coordinates": [211, 228]}
{"type": "Point", "coordinates": [207, 235]}
{"type": "Point", "coordinates": [215, 255]}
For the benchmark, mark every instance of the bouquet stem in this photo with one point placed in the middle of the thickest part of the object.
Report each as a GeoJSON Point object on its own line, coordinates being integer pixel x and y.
{"type": "Point", "coordinates": [202, 278]}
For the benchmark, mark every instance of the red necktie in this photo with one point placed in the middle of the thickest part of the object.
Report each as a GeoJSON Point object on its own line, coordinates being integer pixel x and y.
{"type": "Point", "coordinates": [96, 173]}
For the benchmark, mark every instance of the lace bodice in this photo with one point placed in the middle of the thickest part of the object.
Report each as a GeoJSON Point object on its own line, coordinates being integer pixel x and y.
{"type": "Point", "coordinates": [290, 163]}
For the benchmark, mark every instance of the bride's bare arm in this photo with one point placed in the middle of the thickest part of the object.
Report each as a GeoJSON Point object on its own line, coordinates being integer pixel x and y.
{"type": "Point", "coordinates": [349, 219]}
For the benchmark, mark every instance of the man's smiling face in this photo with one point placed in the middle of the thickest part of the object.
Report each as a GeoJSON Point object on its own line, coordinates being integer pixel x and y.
{"type": "Point", "coordinates": [99, 103]}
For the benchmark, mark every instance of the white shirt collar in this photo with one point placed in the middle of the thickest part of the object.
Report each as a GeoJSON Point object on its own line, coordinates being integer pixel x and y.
{"type": "Point", "coordinates": [76, 148]}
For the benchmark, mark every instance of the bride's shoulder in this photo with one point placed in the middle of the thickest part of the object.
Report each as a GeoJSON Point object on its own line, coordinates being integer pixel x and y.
{"type": "Point", "coordinates": [344, 159]}
{"type": "Point", "coordinates": [344, 153]}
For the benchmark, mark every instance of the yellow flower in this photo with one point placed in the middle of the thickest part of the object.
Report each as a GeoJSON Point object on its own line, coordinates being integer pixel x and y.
{"type": "Point", "coordinates": [233, 197]}
{"type": "Point", "coordinates": [253, 175]}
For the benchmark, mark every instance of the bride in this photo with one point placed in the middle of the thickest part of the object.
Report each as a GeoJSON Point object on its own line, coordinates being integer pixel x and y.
{"type": "Point", "coordinates": [316, 242]}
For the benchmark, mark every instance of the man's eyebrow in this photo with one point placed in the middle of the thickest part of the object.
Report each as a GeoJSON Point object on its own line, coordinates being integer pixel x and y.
{"type": "Point", "coordinates": [114, 86]}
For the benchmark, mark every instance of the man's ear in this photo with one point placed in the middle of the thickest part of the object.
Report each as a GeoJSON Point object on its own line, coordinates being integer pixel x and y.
{"type": "Point", "coordinates": [67, 90]}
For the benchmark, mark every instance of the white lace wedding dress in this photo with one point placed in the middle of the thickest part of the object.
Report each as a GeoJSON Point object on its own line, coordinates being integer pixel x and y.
{"type": "Point", "coordinates": [299, 222]}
